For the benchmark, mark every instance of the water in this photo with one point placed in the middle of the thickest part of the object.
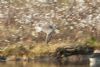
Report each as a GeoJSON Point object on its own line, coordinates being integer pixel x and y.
{"type": "Point", "coordinates": [38, 64]}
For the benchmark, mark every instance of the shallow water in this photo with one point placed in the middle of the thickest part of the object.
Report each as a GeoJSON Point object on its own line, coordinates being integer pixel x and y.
{"type": "Point", "coordinates": [39, 64]}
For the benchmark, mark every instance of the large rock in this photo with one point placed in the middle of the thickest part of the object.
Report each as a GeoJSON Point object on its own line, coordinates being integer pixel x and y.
{"type": "Point", "coordinates": [96, 54]}
{"type": "Point", "coordinates": [96, 51]}
{"type": "Point", "coordinates": [95, 58]}
{"type": "Point", "coordinates": [79, 50]}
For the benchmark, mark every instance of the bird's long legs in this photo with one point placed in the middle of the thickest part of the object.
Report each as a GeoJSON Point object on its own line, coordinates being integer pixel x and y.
{"type": "Point", "coordinates": [48, 37]}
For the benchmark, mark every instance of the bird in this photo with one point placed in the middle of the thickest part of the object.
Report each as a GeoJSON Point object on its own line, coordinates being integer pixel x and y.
{"type": "Point", "coordinates": [46, 28]}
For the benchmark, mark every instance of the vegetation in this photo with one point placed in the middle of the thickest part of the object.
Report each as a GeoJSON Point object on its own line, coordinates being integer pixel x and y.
{"type": "Point", "coordinates": [76, 21]}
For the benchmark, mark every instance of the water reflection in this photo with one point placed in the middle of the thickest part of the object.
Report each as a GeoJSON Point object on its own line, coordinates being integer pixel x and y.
{"type": "Point", "coordinates": [38, 64]}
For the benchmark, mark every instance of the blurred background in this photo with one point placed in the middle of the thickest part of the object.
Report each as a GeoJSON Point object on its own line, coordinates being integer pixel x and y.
{"type": "Point", "coordinates": [75, 20]}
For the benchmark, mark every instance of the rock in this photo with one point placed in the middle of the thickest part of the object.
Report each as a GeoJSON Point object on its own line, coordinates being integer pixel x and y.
{"type": "Point", "coordinates": [95, 58]}
{"type": "Point", "coordinates": [94, 62]}
{"type": "Point", "coordinates": [96, 51]}
{"type": "Point", "coordinates": [14, 58]}
{"type": "Point", "coordinates": [96, 54]}
{"type": "Point", "coordinates": [24, 58]}
{"type": "Point", "coordinates": [79, 50]}
{"type": "Point", "coordinates": [11, 58]}
{"type": "Point", "coordinates": [2, 58]}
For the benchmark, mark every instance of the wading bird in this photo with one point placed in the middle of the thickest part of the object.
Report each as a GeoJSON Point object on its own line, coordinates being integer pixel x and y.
{"type": "Point", "coordinates": [46, 28]}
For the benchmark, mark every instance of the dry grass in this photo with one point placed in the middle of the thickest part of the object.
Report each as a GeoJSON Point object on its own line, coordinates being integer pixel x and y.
{"type": "Point", "coordinates": [42, 49]}
{"type": "Point", "coordinates": [35, 50]}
